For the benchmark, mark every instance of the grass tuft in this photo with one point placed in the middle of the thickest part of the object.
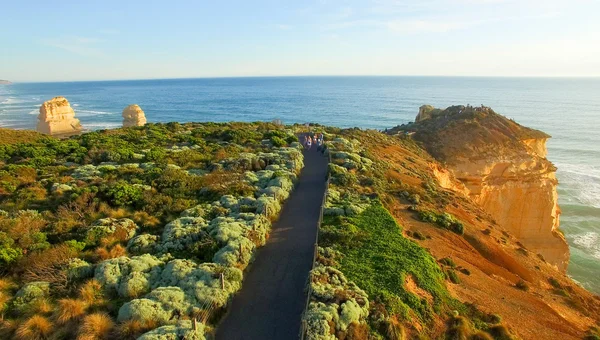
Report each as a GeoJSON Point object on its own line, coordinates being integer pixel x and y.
{"type": "Point", "coordinates": [69, 309]}
{"type": "Point", "coordinates": [95, 326]}
{"type": "Point", "coordinates": [34, 328]}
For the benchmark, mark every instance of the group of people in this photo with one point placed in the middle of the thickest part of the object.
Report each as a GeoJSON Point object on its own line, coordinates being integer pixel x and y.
{"type": "Point", "coordinates": [313, 139]}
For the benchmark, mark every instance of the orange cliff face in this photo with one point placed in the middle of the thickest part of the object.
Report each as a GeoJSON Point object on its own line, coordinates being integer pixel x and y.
{"type": "Point", "coordinates": [520, 194]}
{"type": "Point", "coordinates": [501, 165]}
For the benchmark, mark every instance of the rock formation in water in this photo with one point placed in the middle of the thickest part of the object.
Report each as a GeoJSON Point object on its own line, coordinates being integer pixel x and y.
{"type": "Point", "coordinates": [58, 118]}
{"type": "Point", "coordinates": [4, 82]}
{"type": "Point", "coordinates": [133, 116]}
{"type": "Point", "coordinates": [503, 167]}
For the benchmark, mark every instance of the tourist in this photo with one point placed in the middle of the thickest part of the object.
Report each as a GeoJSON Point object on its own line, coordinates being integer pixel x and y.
{"type": "Point", "coordinates": [319, 145]}
{"type": "Point", "coordinates": [308, 143]}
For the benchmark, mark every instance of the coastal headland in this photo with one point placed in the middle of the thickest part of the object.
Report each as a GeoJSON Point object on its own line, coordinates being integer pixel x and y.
{"type": "Point", "coordinates": [447, 227]}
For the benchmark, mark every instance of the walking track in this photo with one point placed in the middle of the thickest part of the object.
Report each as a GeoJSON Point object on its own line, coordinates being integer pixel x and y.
{"type": "Point", "coordinates": [272, 298]}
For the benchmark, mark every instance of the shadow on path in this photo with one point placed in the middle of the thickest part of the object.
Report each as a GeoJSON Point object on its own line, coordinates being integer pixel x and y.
{"type": "Point", "coordinates": [272, 298]}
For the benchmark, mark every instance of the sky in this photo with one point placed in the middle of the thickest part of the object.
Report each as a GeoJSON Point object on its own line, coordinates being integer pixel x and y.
{"type": "Point", "coordinates": [68, 40]}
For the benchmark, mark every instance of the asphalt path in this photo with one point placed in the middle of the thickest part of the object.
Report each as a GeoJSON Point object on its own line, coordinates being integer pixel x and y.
{"type": "Point", "coordinates": [272, 298]}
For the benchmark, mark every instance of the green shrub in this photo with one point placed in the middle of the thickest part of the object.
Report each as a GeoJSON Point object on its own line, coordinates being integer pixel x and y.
{"type": "Point", "coordinates": [278, 141]}
{"type": "Point", "coordinates": [182, 330]}
{"type": "Point", "coordinates": [452, 276]}
{"type": "Point", "coordinates": [9, 251]}
{"type": "Point", "coordinates": [342, 235]}
{"type": "Point", "coordinates": [76, 245]}
{"type": "Point", "coordinates": [500, 332]}
{"type": "Point", "coordinates": [417, 235]}
{"type": "Point", "coordinates": [464, 271]}
{"type": "Point", "coordinates": [446, 261]}
{"type": "Point", "coordinates": [445, 220]}
{"type": "Point", "coordinates": [522, 285]}
{"type": "Point", "coordinates": [554, 283]}
{"type": "Point", "coordinates": [123, 193]}
{"type": "Point", "coordinates": [28, 295]}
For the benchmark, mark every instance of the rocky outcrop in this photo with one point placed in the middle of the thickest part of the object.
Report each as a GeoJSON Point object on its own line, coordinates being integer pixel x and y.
{"type": "Point", "coordinates": [503, 167]}
{"type": "Point", "coordinates": [5, 82]}
{"type": "Point", "coordinates": [425, 112]}
{"type": "Point", "coordinates": [133, 116]}
{"type": "Point", "coordinates": [58, 118]}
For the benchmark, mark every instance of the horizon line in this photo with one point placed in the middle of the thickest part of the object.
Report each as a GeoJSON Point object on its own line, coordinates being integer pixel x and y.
{"type": "Point", "coordinates": [307, 76]}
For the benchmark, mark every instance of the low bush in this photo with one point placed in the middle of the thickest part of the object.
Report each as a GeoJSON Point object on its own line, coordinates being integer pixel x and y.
{"type": "Point", "coordinates": [445, 220]}
{"type": "Point", "coordinates": [452, 276]}
{"type": "Point", "coordinates": [522, 285]}
{"type": "Point", "coordinates": [446, 261]}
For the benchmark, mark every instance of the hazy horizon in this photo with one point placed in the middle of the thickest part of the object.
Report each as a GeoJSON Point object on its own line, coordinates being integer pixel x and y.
{"type": "Point", "coordinates": [307, 76]}
{"type": "Point", "coordinates": [51, 42]}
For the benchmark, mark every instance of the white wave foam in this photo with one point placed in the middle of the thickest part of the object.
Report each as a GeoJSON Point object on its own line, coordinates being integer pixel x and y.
{"type": "Point", "coordinates": [94, 112]}
{"type": "Point", "coordinates": [101, 126]}
{"type": "Point", "coordinates": [582, 181]}
{"type": "Point", "coordinates": [12, 100]}
{"type": "Point", "coordinates": [34, 112]}
{"type": "Point", "coordinates": [590, 242]}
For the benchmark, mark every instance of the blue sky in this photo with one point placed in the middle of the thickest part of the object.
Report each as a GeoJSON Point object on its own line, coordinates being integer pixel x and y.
{"type": "Point", "coordinates": [89, 40]}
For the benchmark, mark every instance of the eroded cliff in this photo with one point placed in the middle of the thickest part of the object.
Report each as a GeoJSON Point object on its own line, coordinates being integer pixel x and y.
{"type": "Point", "coordinates": [503, 167]}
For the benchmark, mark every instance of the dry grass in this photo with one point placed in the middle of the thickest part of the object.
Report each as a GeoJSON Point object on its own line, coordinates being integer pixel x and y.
{"type": "Point", "coordinates": [104, 254]}
{"type": "Point", "coordinates": [49, 266]}
{"type": "Point", "coordinates": [144, 219]}
{"type": "Point", "coordinates": [120, 235]}
{"type": "Point", "coordinates": [95, 326]}
{"type": "Point", "coordinates": [91, 292]}
{"type": "Point", "coordinates": [36, 327]}
{"type": "Point", "coordinates": [7, 328]}
{"type": "Point", "coordinates": [69, 309]}
{"type": "Point", "coordinates": [132, 329]}
{"type": "Point", "coordinates": [10, 136]}
{"type": "Point", "coordinates": [7, 284]}
{"type": "Point", "coordinates": [4, 298]}
{"type": "Point", "coordinates": [41, 306]}
{"type": "Point", "coordinates": [117, 213]}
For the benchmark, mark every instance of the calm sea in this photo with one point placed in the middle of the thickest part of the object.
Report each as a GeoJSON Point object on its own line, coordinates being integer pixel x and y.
{"type": "Point", "coordinates": [568, 109]}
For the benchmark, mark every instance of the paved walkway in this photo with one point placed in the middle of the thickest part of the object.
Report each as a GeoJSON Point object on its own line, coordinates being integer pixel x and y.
{"type": "Point", "coordinates": [273, 296]}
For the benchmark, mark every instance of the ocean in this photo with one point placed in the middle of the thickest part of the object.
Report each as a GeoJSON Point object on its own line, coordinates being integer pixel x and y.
{"type": "Point", "coordinates": [568, 109]}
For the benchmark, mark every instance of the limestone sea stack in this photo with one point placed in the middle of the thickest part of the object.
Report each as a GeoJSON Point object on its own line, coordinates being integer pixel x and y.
{"type": "Point", "coordinates": [58, 118]}
{"type": "Point", "coordinates": [133, 116]}
{"type": "Point", "coordinates": [504, 169]}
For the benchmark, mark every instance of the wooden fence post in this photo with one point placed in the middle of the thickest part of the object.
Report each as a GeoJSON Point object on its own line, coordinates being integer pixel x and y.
{"type": "Point", "coordinates": [222, 281]}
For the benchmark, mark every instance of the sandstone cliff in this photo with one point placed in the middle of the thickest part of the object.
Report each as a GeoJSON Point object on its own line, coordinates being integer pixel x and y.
{"type": "Point", "coordinates": [5, 82]}
{"type": "Point", "coordinates": [503, 168]}
{"type": "Point", "coordinates": [133, 116]}
{"type": "Point", "coordinates": [57, 118]}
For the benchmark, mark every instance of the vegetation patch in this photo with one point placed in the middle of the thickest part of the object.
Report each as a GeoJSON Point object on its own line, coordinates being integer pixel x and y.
{"type": "Point", "coordinates": [134, 232]}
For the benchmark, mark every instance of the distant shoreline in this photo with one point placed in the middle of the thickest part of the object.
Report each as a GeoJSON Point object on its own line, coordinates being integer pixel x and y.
{"type": "Point", "coordinates": [5, 82]}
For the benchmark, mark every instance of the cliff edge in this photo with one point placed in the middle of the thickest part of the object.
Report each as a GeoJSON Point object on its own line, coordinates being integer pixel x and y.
{"type": "Point", "coordinates": [504, 169]}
